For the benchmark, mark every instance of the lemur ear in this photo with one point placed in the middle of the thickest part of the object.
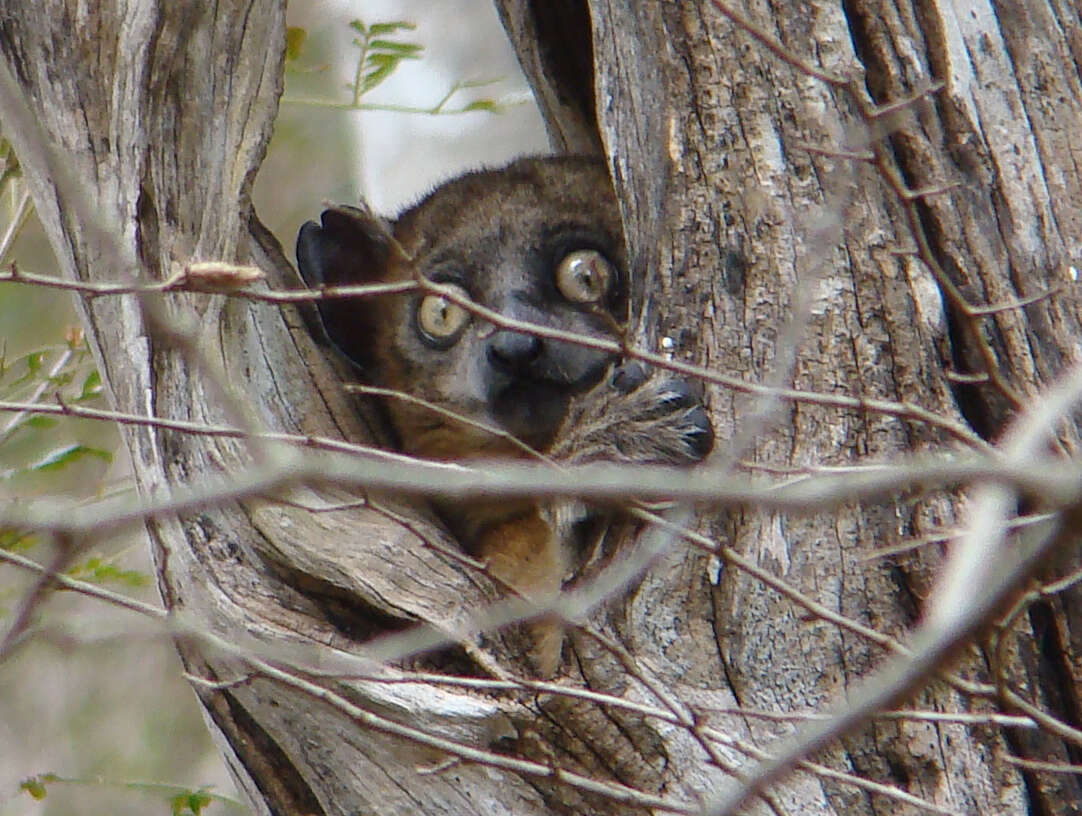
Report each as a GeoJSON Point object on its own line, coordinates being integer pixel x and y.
{"type": "Point", "coordinates": [349, 246]}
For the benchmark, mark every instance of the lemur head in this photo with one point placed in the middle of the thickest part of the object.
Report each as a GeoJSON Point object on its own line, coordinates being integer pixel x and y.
{"type": "Point", "coordinates": [538, 241]}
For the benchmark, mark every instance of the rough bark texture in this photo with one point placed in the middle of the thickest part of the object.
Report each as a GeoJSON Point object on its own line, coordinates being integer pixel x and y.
{"type": "Point", "coordinates": [757, 234]}
{"type": "Point", "coordinates": [158, 115]}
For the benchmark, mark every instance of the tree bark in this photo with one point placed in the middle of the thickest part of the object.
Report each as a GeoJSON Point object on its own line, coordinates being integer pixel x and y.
{"type": "Point", "coordinates": [752, 255]}
{"type": "Point", "coordinates": [767, 236]}
{"type": "Point", "coordinates": [146, 127]}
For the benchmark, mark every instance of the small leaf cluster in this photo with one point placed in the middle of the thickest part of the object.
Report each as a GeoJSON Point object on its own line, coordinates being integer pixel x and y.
{"type": "Point", "coordinates": [9, 164]}
{"type": "Point", "coordinates": [381, 53]}
{"type": "Point", "coordinates": [190, 803]}
{"type": "Point", "coordinates": [64, 371]}
{"type": "Point", "coordinates": [382, 50]}
{"type": "Point", "coordinates": [98, 570]}
{"type": "Point", "coordinates": [181, 801]}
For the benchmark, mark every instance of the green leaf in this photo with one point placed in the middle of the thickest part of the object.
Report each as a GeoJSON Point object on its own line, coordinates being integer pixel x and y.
{"type": "Point", "coordinates": [380, 29]}
{"type": "Point", "coordinates": [489, 105]}
{"type": "Point", "coordinates": [383, 59]}
{"type": "Point", "coordinates": [34, 361]}
{"type": "Point", "coordinates": [358, 26]}
{"type": "Point", "coordinates": [35, 785]}
{"type": "Point", "coordinates": [295, 39]}
{"type": "Point", "coordinates": [34, 788]}
{"type": "Point", "coordinates": [39, 422]}
{"type": "Point", "coordinates": [385, 67]}
{"type": "Point", "coordinates": [189, 802]}
{"type": "Point", "coordinates": [61, 457]}
{"type": "Point", "coordinates": [98, 571]}
{"type": "Point", "coordinates": [17, 542]}
{"type": "Point", "coordinates": [91, 386]}
{"type": "Point", "coordinates": [405, 50]}
{"type": "Point", "coordinates": [477, 83]}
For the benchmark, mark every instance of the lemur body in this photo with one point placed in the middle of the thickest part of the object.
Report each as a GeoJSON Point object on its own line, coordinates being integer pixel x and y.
{"type": "Point", "coordinates": [538, 241]}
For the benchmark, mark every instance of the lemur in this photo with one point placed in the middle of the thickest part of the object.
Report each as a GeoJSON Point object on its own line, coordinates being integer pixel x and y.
{"type": "Point", "coordinates": [538, 241]}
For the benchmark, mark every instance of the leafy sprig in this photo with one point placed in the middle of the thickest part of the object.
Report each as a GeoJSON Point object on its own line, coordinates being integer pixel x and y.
{"type": "Point", "coordinates": [381, 51]}
{"type": "Point", "coordinates": [182, 801]}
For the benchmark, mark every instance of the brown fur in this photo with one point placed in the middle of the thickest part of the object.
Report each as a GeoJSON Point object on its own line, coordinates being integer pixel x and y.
{"type": "Point", "coordinates": [500, 235]}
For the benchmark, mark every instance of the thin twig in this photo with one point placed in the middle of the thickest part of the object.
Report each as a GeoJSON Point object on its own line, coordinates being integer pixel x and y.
{"type": "Point", "coordinates": [1057, 482]}
{"type": "Point", "coordinates": [261, 668]}
{"type": "Point", "coordinates": [811, 606]}
{"type": "Point", "coordinates": [22, 211]}
{"type": "Point", "coordinates": [900, 410]}
{"type": "Point", "coordinates": [491, 430]}
{"type": "Point", "coordinates": [63, 408]}
{"type": "Point", "coordinates": [962, 717]}
{"type": "Point", "coordinates": [776, 48]}
{"type": "Point", "coordinates": [180, 283]}
{"type": "Point", "coordinates": [1045, 767]}
{"type": "Point", "coordinates": [36, 595]}
{"type": "Point", "coordinates": [58, 365]}
{"type": "Point", "coordinates": [83, 587]}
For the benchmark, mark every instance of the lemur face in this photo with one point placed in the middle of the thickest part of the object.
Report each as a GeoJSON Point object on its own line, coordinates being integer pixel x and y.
{"type": "Point", "coordinates": [538, 242]}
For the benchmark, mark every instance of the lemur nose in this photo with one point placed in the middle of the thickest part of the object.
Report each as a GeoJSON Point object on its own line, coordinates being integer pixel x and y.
{"type": "Point", "coordinates": [513, 351]}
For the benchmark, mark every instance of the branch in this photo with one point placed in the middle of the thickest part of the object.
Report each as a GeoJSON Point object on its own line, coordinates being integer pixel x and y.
{"type": "Point", "coordinates": [180, 283]}
{"type": "Point", "coordinates": [367, 719]}
{"type": "Point", "coordinates": [708, 736]}
{"type": "Point", "coordinates": [1059, 483]}
{"type": "Point", "coordinates": [64, 408]}
{"type": "Point", "coordinates": [187, 281]}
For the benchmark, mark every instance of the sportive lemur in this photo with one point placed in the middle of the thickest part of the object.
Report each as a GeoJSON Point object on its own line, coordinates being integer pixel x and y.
{"type": "Point", "coordinates": [538, 241]}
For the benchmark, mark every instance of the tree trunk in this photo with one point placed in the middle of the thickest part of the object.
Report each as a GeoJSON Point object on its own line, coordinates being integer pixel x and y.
{"type": "Point", "coordinates": [762, 250]}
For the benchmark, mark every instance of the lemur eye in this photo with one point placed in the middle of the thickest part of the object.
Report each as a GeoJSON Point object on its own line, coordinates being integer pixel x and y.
{"type": "Point", "coordinates": [441, 320]}
{"type": "Point", "coordinates": [584, 276]}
